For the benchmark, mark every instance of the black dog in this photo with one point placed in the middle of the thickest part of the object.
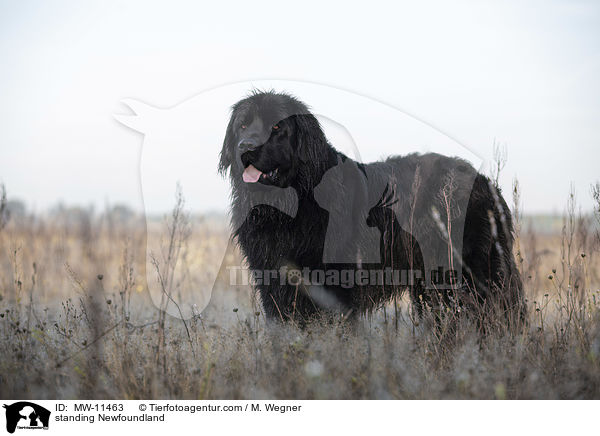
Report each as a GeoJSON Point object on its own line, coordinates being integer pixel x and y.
{"type": "Point", "coordinates": [324, 234]}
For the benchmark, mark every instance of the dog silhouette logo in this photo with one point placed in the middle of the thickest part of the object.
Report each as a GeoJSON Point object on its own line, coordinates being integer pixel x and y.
{"type": "Point", "coordinates": [180, 151]}
{"type": "Point", "coordinates": [26, 415]}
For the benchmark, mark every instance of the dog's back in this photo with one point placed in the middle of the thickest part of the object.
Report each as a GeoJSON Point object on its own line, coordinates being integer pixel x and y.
{"type": "Point", "coordinates": [443, 199]}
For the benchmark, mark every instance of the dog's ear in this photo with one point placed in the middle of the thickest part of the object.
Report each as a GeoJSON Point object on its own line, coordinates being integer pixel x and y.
{"type": "Point", "coordinates": [226, 155]}
{"type": "Point", "coordinates": [309, 137]}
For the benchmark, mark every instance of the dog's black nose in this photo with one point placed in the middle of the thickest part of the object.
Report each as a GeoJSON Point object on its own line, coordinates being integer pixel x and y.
{"type": "Point", "coordinates": [247, 145]}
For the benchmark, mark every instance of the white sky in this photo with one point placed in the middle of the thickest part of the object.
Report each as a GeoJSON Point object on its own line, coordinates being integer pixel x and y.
{"type": "Point", "coordinates": [523, 73]}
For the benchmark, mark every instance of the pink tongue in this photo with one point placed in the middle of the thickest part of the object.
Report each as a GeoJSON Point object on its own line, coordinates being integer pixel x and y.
{"type": "Point", "coordinates": [251, 174]}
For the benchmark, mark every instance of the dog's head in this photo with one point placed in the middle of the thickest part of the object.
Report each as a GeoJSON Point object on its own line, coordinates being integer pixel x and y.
{"type": "Point", "coordinates": [269, 139]}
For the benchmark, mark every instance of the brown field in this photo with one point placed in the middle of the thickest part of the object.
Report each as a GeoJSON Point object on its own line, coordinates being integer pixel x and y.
{"type": "Point", "coordinates": [77, 321]}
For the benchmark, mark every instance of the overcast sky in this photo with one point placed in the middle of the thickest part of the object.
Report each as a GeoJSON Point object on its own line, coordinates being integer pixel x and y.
{"type": "Point", "coordinates": [522, 73]}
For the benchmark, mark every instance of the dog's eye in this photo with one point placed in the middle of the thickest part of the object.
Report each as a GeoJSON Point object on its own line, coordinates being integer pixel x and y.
{"type": "Point", "coordinates": [276, 127]}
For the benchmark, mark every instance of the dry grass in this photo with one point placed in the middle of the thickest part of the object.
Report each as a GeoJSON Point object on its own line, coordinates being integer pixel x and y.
{"type": "Point", "coordinates": [77, 322]}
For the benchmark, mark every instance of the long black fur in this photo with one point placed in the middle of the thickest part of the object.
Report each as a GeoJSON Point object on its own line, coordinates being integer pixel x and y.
{"type": "Point", "coordinates": [290, 229]}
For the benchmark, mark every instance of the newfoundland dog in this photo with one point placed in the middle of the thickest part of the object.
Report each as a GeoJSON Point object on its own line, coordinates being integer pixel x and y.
{"type": "Point", "coordinates": [324, 234]}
